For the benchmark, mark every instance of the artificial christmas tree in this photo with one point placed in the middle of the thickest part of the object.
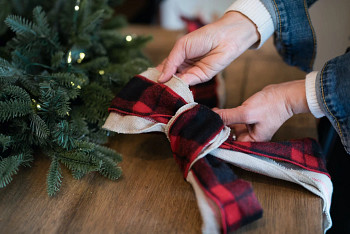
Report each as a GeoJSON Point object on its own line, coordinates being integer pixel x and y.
{"type": "Point", "coordinates": [60, 65]}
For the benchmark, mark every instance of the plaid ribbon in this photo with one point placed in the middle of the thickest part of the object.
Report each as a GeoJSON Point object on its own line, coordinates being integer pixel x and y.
{"type": "Point", "coordinates": [192, 131]}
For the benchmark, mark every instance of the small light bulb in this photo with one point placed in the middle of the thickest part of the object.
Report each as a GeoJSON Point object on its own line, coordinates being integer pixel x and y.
{"type": "Point", "coordinates": [38, 106]}
{"type": "Point", "coordinates": [101, 72]}
{"type": "Point", "coordinates": [76, 8]}
{"type": "Point", "coordinates": [69, 59]}
{"type": "Point", "coordinates": [33, 100]}
{"type": "Point", "coordinates": [82, 56]}
{"type": "Point", "coordinates": [72, 83]}
{"type": "Point", "coordinates": [67, 113]}
{"type": "Point", "coordinates": [128, 38]}
{"type": "Point", "coordinates": [79, 87]}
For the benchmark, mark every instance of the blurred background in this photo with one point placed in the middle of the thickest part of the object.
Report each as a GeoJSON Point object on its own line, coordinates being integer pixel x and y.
{"type": "Point", "coordinates": [331, 19]}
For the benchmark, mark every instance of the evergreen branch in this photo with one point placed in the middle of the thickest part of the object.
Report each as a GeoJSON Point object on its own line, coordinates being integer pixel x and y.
{"type": "Point", "coordinates": [40, 91]}
{"type": "Point", "coordinates": [91, 22]}
{"type": "Point", "coordinates": [29, 85]}
{"type": "Point", "coordinates": [38, 126]}
{"type": "Point", "coordinates": [54, 177]}
{"type": "Point", "coordinates": [53, 99]}
{"type": "Point", "coordinates": [111, 171]}
{"type": "Point", "coordinates": [63, 135]}
{"type": "Point", "coordinates": [79, 161]}
{"type": "Point", "coordinates": [109, 153]}
{"type": "Point", "coordinates": [79, 126]}
{"type": "Point", "coordinates": [108, 167]}
{"type": "Point", "coordinates": [16, 92]}
{"type": "Point", "coordinates": [40, 20]}
{"type": "Point", "coordinates": [20, 25]}
{"type": "Point", "coordinates": [5, 142]}
{"type": "Point", "coordinates": [78, 174]}
{"type": "Point", "coordinates": [107, 159]}
{"type": "Point", "coordinates": [99, 136]}
{"type": "Point", "coordinates": [8, 168]}
{"type": "Point", "coordinates": [56, 59]}
{"type": "Point", "coordinates": [4, 63]}
{"type": "Point", "coordinates": [14, 108]}
{"type": "Point", "coordinates": [7, 70]}
{"type": "Point", "coordinates": [69, 80]}
{"type": "Point", "coordinates": [95, 64]}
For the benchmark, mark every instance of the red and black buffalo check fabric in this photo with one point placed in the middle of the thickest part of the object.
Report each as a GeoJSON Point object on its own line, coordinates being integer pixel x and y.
{"type": "Point", "coordinates": [193, 130]}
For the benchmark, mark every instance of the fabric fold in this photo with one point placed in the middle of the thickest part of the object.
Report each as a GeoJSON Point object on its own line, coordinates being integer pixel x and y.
{"type": "Point", "coordinates": [202, 148]}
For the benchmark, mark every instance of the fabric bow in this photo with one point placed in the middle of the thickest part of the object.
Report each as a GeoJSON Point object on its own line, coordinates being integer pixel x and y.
{"type": "Point", "coordinates": [202, 148]}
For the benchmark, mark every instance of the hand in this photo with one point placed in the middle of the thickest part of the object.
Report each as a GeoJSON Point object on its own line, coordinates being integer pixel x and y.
{"type": "Point", "coordinates": [200, 55]}
{"type": "Point", "coordinates": [261, 115]}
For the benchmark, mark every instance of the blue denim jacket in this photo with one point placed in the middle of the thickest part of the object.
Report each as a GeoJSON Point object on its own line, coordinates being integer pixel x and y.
{"type": "Point", "coordinates": [295, 40]}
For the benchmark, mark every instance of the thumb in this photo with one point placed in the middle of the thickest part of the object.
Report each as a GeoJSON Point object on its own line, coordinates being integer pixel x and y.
{"type": "Point", "coordinates": [233, 116]}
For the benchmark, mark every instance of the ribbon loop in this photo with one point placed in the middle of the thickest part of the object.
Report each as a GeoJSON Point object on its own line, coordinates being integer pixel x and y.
{"type": "Point", "coordinates": [191, 130]}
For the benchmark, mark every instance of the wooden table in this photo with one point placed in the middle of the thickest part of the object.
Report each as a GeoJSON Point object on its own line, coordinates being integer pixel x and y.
{"type": "Point", "coordinates": [152, 196]}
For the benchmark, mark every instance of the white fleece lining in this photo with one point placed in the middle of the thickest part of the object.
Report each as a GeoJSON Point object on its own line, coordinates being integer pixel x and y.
{"type": "Point", "coordinates": [210, 223]}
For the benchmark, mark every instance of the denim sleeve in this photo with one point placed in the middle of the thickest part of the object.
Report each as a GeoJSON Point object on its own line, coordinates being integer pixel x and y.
{"type": "Point", "coordinates": [333, 95]}
{"type": "Point", "coordinates": [294, 36]}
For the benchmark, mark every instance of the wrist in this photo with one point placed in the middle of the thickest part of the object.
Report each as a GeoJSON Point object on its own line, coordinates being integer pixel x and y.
{"type": "Point", "coordinates": [241, 28]}
{"type": "Point", "coordinates": [296, 97]}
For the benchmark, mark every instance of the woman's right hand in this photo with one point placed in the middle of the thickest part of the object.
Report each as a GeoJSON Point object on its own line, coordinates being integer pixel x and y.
{"type": "Point", "coordinates": [201, 54]}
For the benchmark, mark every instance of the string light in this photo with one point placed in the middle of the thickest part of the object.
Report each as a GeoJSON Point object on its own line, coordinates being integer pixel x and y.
{"type": "Point", "coordinates": [128, 38]}
{"type": "Point", "coordinates": [76, 8]}
{"type": "Point", "coordinates": [81, 57]}
{"type": "Point", "coordinates": [79, 87]}
{"type": "Point", "coordinates": [67, 113]}
{"type": "Point", "coordinates": [69, 59]}
{"type": "Point", "coordinates": [101, 72]}
{"type": "Point", "coordinates": [38, 106]}
{"type": "Point", "coordinates": [72, 83]}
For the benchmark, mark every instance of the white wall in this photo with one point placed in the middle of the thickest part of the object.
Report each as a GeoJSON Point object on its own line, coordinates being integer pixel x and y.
{"type": "Point", "coordinates": [331, 21]}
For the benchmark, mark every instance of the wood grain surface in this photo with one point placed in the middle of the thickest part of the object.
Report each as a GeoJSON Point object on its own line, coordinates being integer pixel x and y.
{"type": "Point", "coordinates": [152, 196]}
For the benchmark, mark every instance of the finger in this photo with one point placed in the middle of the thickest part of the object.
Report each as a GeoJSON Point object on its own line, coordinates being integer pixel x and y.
{"type": "Point", "coordinates": [207, 67]}
{"type": "Point", "coordinates": [176, 57]}
{"type": "Point", "coordinates": [245, 137]}
{"type": "Point", "coordinates": [196, 75]}
{"type": "Point", "coordinates": [236, 115]}
{"type": "Point", "coordinates": [239, 128]}
{"type": "Point", "coordinates": [161, 66]}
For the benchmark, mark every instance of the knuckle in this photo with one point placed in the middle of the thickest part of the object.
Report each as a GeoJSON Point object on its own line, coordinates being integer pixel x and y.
{"type": "Point", "coordinates": [225, 117]}
{"type": "Point", "coordinates": [245, 114]}
{"type": "Point", "coordinates": [181, 42]}
{"type": "Point", "coordinates": [269, 87]}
